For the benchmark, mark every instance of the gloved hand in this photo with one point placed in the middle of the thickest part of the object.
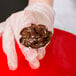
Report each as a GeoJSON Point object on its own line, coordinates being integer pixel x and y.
{"type": "Point", "coordinates": [38, 13]}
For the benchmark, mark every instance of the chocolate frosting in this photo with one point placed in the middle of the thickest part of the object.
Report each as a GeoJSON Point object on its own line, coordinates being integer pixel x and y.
{"type": "Point", "coordinates": [35, 36]}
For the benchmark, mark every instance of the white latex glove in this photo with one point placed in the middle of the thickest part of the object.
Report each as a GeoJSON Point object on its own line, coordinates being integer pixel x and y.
{"type": "Point", "coordinates": [38, 13]}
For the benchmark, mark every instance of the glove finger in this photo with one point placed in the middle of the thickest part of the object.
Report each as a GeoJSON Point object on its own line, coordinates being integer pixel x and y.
{"type": "Point", "coordinates": [35, 64]}
{"type": "Point", "coordinates": [31, 56]}
{"type": "Point", "coordinates": [9, 48]}
{"type": "Point", "coordinates": [41, 53]}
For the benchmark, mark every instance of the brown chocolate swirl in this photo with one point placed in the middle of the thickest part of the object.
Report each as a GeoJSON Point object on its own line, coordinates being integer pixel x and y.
{"type": "Point", "coordinates": [35, 36]}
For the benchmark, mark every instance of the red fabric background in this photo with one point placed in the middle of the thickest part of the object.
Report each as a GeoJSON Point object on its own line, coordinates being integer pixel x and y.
{"type": "Point", "coordinates": [60, 59]}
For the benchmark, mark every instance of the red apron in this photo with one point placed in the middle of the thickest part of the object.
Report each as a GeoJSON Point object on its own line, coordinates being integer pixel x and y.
{"type": "Point", "coordinates": [60, 58]}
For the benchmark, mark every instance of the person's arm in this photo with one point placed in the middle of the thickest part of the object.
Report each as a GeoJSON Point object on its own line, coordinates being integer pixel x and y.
{"type": "Point", "coordinates": [49, 2]}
